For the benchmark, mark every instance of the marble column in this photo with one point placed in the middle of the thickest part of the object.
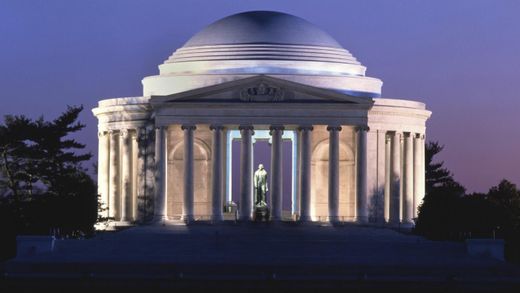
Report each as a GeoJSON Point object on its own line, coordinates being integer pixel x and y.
{"type": "Point", "coordinates": [140, 198]}
{"type": "Point", "coordinates": [408, 180]}
{"type": "Point", "coordinates": [362, 179]}
{"type": "Point", "coordinates": [223, 164]}
{"type": "Point", "coordinates": [216, 170]}
{"type": "Point", "coordinates": [104, 171]}
{"type": "Point", "coordinates": [161, 175]}
{"type": "Point", "coordinates": [135, 162]}
{"type": "Point", "coordinates": [388, 150]}
{"type": "Point", "coordinates": [114, 199]}
{"type": "Point", "coordinates": [187, 213]}
{"type": "Point", "coordinates": [126, 178]}
{"type": "Point", "coordinates": [276, 172]}
{"type": "Point", "coordinates": [416, 172]}
{"type": "Point", "coordinates": [298, 173]}
{"type": "Point", "coordinates": [421, 171]}
{"type": "Point", "coordinates": [246, 165]}
{"type": "Point", "coordinates": [305, 188]}
{"type": "Point", "coordinates": [395, 177]}
{"type": "Point", "coordinates": [334, 172]}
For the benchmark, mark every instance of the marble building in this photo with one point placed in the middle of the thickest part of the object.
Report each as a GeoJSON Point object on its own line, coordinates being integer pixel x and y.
{"type": "Point", "coordinates": [167, 155]}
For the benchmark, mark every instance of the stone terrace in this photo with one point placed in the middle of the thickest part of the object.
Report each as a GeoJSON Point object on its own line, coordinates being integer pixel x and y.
{"type": "Point", "coordinates": [265, 255]}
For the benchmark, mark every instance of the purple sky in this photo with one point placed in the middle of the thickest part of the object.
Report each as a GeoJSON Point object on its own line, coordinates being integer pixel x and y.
{"type": "Point", "coordinates": [460, 57]}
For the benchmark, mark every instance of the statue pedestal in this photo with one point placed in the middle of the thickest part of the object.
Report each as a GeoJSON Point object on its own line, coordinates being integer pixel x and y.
{"type": "Point", "coordinates": [261, 214]}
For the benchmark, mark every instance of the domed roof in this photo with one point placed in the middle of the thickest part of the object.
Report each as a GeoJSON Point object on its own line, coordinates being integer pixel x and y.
{"type": "Point", "coordinates": [262, 27]}
{"type": "Point", "coordinates": [262, 43]}
{"type": "Point", "coordinates": [268, 37]}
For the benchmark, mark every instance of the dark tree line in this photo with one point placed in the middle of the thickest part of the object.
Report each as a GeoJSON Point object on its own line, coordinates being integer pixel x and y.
{"type": "Point", "coordinates": [449, 213]}
{"type": "Point", "coordinates": [43, 185]}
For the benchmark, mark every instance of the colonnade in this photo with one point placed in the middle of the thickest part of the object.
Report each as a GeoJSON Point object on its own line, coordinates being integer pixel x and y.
{"type": "Point", "coordinates": [117, 173]}
{"type": "Point", "coordinates": [246, 165]}
{"type": "Point", "coordinates": [119, 163]}
{"type": "Point", "coordinates": [405, 190]}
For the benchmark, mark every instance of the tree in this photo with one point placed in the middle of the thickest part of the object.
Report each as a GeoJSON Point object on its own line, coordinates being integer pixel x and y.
{"type": "Point", "coordinates": [41, 173]}
{"type": "Point", "coordinates": [16, 140]}
{"type": "Point", "coordinates": [506, 197]}
{"type": "Point", "coordinates": [448, 213]}
{"type": "Point", "coordinates": [436, 174]}
{"type": "Point", "coordinates": [438, 216]}
{"type": "Point", "coordinates": [505, 194]}
{"type": "Point", "coordinates": [39, 151]}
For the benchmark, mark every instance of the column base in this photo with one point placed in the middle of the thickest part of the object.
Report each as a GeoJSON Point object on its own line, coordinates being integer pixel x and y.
{"type": "Point", "coordinates": [407, 225]}
{"type": "Point", "coordinates": [276, 218]}
{"type": "Point", "coordinates": [113, 225]}
{"type": "Point", "coordinates": [393, 223]}
{"type": "Point", "coordinates": [127, 220]}
{"type": "Point", "coordinates": [188, 219]}
{"type": "Point", "coordinates": [123, 223]}
{"type": "Point", "coordinates": [334, 219]}
{"type": "Point", "coordinates": [245, 219]}
{"type": "Point", "coordinates": [400, 225]}
{"type": "Point", "coordinates": [159, 219]}
{"type": "Point", "coordinates": [103, 226]}
{"type": "Point", "coordinates": [362, 220]}
{"type": "Point", "coordinates": [305, 219]}
{"type": "Point", "coordinates": [217, 218]}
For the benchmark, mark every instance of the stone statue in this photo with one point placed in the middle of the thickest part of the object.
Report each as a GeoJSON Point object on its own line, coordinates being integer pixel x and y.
{"type": "Point", "coordinates": [260, 186]}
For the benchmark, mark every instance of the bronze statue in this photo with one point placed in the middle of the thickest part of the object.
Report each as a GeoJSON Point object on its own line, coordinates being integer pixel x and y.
{"type": "Point", "coordinates": [260, 186]}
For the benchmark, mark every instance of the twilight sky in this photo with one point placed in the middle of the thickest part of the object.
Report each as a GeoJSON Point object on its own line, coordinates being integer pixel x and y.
{"type": "Point", "coordinates": [462, 58]}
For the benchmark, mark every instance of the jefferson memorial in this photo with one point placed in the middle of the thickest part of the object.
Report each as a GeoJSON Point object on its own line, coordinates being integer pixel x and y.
{"type": "Point", "coordinates": [334, 149]}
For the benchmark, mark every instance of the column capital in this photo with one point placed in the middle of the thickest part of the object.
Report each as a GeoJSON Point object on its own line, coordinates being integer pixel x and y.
{"type": "Point", "coordinates": [305, 128]}
{"type": "Point", "coordinates": [276, 127]}
{"type": "Point", "coordinates": [362, 128]}
{"type": "Point", "coordinates": [394, 133]}
{"type": "Point", "coordinates": [246, 127]}
{"type": "Point", "coordinates": [125, 132]}
{"type": "Point", "coordinates": [188, 127]}
{"type": "Point", "coordinates": [141, 134]}
{"type": "Point", "coordinates": [149, 127]}
{"type": "Point", "coordinates": [408, 134]}
{"type": "Point", "coordinates": [216, 127]}
{"type": "Point", "coordinates": [113, 131]}
{"type": "Point", "coordinates": [102, 133]}
{"type": "Point", "coordinates": [273, 128]}
{"type": "Point", "coordinates": [333, 128]}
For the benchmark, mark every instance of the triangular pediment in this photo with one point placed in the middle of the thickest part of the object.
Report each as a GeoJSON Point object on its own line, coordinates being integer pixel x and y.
{"type": "Point", "coordinates": [260, 89]}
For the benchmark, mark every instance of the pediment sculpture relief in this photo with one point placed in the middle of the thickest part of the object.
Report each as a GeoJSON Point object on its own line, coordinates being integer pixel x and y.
{"type": "Point", "coordinates": [262, 93]}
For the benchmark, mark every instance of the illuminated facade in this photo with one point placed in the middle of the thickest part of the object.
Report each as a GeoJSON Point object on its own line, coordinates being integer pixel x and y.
{"type": "Point", "coordinates": [167, 155]}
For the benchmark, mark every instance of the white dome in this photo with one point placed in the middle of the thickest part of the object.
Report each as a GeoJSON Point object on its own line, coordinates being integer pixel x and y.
{"type": "Point", "coordinates": [262, 42]}
{"type": "Point", "coordinates": [262, 27]}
